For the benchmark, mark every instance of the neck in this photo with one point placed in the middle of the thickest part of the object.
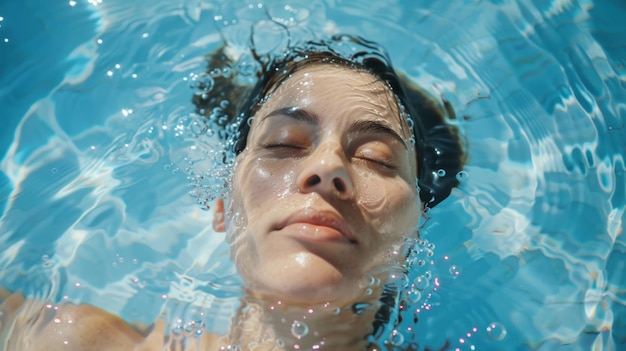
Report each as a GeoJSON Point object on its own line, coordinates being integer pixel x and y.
{"type": "Point", "coordinates": [263, 325]}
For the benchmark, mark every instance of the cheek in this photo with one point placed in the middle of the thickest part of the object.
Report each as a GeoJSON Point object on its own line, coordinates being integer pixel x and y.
{"type": "Point", "coordinates": [257, 185]}
{"type": "Point", "coordinates": [391, 205]}
{"type": "Point", "coordinates": [260, 181]}
{"type": "Point", "coordinates": [372, 194]}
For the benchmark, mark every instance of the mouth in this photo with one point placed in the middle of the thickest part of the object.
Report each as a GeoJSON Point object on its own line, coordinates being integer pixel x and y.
{"type": "Point", "coordinates": [319, 226]}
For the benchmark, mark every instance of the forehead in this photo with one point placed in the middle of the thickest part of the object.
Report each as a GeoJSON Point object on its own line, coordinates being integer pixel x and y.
{"type": "Point", "coordinates": [336, 91]}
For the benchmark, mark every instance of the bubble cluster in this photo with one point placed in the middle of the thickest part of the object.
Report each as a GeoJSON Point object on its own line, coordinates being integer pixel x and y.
{"type": "Point", "coordinates": [189, 329]}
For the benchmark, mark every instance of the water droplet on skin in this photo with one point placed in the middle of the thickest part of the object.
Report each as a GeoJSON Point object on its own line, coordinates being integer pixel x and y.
{"type": "Point", "coordinates": [496, 331]}
{"type": "Point", "coordinates": [299, 329]}
{"type": "Point", "coordinates": [367, 281]}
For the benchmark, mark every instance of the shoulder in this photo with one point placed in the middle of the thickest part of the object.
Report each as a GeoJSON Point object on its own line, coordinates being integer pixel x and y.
{"type": "Point", "coordinates": [29, 324]}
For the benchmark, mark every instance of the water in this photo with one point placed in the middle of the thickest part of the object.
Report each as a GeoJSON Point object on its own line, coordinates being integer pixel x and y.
{"type": "Point", "coordinates": [529, 253]}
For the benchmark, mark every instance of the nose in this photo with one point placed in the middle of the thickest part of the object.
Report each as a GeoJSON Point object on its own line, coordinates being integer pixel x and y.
{"type": "Point", "coordinates": [324, 171]}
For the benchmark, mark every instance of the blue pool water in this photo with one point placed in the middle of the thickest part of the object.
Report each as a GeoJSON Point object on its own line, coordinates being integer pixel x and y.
{"type": "Point", "coordinates": [528, 254]}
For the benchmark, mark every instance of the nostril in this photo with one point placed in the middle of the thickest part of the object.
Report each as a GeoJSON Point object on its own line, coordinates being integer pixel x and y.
{"type": "Point", "coordinates": [339, 185]}
{"type": "Point", "coordinates": [313, 180]}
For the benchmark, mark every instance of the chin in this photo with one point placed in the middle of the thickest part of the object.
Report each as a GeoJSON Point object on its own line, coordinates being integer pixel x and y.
{"type": "Point", "coordinates": [302, 279]}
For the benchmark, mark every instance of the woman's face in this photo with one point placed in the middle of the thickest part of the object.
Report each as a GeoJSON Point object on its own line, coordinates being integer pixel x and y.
{"type": "Point", "coordinates": [325, 187]}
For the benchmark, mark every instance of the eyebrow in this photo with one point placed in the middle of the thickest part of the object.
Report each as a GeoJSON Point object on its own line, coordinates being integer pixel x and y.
{"type": "Point", "coordinates": [297, 114]}
{"type": "Point", "coordinates": [376, 127]}
{"type": "Point", "coordinates": [361, 126]}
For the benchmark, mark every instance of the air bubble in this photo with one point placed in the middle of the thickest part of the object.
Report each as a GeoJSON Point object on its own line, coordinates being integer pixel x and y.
{"type": "Point", "coordinates": [410, 123]}
{"type": "Point", "coordinates": [237, 220]}
{"type": "Point", "coordinates": [399, 279]}
{"type": "Point", "coordinates": [299, 329]}
{"type": "Point", "coordinates": [421, 283]}
{"type": "Point", "coordinates": [216, 72]}
{"type": "Point", "coordinates": [455, 271]}
{"type": "Point", "coordinates": [198, 127]}
{"type": "Point", "coordinates": [413, 295]}
{"type": "Point", "coordinates": [496, 331]}
{"type": "Point", "coordinates": [203, 82]}
{"type": "Point", "coordinates": [360, 308]}
{"type": "Point", "coordinates": [396, 338]}
{"type": "Point", "coordinates": [462, 175]}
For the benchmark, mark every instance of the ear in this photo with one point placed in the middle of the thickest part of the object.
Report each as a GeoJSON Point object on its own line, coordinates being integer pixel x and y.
{"type": "Point", "coordinates": [218, 216]}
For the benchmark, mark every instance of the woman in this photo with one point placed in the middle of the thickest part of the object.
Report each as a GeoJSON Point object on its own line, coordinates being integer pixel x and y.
{"type": "Point", "coordinates": [330, 145]}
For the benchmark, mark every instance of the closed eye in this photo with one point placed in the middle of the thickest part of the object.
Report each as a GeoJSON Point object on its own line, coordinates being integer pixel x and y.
{"type": "Point", "coordinates": [376, 154]}
{"type": "Point", "coordinates": [283, 145]}
{"type": "Point", "coordinates": [382, 163]}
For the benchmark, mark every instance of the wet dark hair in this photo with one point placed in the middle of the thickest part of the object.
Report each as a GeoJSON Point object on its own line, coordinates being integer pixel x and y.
{"type": "Point", "coordinates": [439, 150]}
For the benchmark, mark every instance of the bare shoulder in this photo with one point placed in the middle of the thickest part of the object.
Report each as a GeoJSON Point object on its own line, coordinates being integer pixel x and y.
{"type": "Point", "coordinates": [28, 324]}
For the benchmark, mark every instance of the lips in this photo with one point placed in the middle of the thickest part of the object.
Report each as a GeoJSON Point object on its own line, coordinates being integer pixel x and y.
{"type": "Point", "coordinates": [319, 226]}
